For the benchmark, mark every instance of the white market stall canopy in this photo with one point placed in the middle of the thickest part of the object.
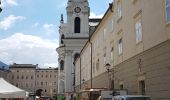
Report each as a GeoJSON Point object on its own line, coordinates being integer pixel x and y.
{"type": "Point", "coordinates": [8, 90]}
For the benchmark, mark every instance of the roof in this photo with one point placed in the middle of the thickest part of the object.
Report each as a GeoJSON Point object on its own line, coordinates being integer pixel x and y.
{"type": "Point", "coordinates": [47, 68]}
{"type": "Point", "coordinates": [23, 66]}
{"type": "Point", "coordinates": [94, 21]}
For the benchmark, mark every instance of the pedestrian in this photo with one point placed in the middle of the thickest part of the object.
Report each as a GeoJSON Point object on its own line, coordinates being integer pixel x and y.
{"type": "Point", "coordinates": [41, 98]}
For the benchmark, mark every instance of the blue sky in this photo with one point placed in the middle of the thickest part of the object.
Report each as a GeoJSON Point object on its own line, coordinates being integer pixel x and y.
{"type": "Point", "coordinates": [29, 29]}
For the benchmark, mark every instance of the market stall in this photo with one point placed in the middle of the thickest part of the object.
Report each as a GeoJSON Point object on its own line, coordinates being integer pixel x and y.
{"type": "Point", "coordinates": [8, 90]}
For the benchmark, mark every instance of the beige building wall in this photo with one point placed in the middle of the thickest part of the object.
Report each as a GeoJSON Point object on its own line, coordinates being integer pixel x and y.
{"type": "Point", "coordinates": [4, 73]}
{"type": "Point", "coordinates": [143, 58]}
{"type": "Point", "coordinates": [47, 80]}
{"type": "Point", "coordinates": [77, 74]}
{"type": "Point", "coordinates": [31, 78]}
{"type": "Point", "coordinates": [23, 76]}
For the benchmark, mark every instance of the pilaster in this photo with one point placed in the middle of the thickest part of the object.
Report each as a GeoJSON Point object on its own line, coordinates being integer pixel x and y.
{"type": "Point", "coordinates": [68, 71]}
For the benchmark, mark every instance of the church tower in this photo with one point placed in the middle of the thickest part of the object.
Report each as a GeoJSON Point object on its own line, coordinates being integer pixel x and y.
{"type": "Point", "coordinates": [78, 17]}
{"type": "Point", "coordinates": [73, 36]}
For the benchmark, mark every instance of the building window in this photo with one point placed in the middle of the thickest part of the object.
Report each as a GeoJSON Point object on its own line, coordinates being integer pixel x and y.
{"type": "Point", "coordinates": [42, 76]}
{"type": "Point", "coordinates": [142, 87]}
{"type": "Point", "coordinates": [119, 9]}
{"type": "Point", "coordinates": [77, 25]}
{"type": "Point", "coordinates": [31, 77]}
{"type": "Point", "coordinates": [168, 10]}
{"type": "Point", "coordinates": [26, 77]}
{"type": "Point", "coordinates": [17, 77]}
{"type": "Point", "coordinates": [41, 83]}
{"type": "Point", "coordinates": [21, 85]}
{"type": "Point", "coordinates": [54, 83]}
{"type": "Point", "coordinates": [104, 59]}
{"type": "Point", "coordinates": [97, 65]}
{"type": "Point", "coordinates": [54, 90]}
{"type": "Point", "coordinates": [26, 84]}
{"type": "Point", "coordinates": [37, 75]}
{"type": "Point", "coordinates": [22, 77]}
{"type": "Point", "coordinates": [120, 46]}
{"type": "Point", "coordinates": [134, 1]}
{"type": "Point", "coordinates": [61, 65]}
{"type": "Point", "coordinates": [37, 83]}
{"type": "Point", "coordinates": [111, 54]}
{"type": "Point", "coordinates": [138, 29]}
{"type": "Point", "coordinates": [12, 76]}
{"type": "Point", "coordinates": [121, 87]}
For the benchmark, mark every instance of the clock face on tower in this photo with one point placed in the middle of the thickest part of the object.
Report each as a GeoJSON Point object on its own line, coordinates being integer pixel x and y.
{"type": "Point", "coordinates": [77, 9]}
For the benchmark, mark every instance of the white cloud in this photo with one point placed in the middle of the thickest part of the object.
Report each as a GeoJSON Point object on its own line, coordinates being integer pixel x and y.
{"type": "Point", "coordinates": [9, 3]}
{"type": "Point", "coordinates": [36, 24]}
{"type": "Point", "coordinates": [47, 65]}
{"type": "Point", "coordinates": [20, 48]}
{"type": "Point", "coordinates": [62, 4]}
{"type": "Point", "coordinates": [49, 28]}
{"type": "Point", "coordinates": [7, 22]}
{"type": "Point", "coordinates": [93, 15]}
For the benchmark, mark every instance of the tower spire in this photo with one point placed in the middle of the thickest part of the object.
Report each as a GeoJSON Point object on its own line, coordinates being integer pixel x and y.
{"type": "Point", "coordinates": [61, 18]}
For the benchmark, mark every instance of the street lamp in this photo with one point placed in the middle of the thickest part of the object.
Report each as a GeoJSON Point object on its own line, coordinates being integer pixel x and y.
{"type": "Point", "coordinates": [108, 68]}
{"type": "Point", "coordinates": [83, 80]}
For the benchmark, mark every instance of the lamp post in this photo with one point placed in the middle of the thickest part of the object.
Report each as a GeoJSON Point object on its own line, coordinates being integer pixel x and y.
{"type": "Point", "coordinates": [83, 80]}
{"type": "Point", "coordinates": [108, 68]}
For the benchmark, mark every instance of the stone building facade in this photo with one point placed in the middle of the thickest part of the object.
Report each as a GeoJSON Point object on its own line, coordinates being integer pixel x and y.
{"type": "Point", "coordinates": [47, 80]}
{"type": "Point", "coordinates": [23, 76]}
{"type": "Point", "coordinates": [4, 73]}
{"type": "Point", "coordinates": [73, 36]}
{"type": "Point", "coordinates": [31, 78]}
{"type": "Point", "coordinates": [133, 37]}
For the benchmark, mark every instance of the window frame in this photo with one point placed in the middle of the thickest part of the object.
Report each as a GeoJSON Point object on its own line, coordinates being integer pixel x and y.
{"type": "Point", "coordinates": [97, 65]}
{"type": "Point", "coordinates": [120, 46]}
{"type": "Point", "coordinates": [104, 59]}
{"type": "Point", "coordinates": [168, 22]}
{"type": "Point", "coordinates": [112, 54]}
{"type": "Point", "coordinates": [77, 25]}
{"type": "Point", "coordinates": [119, 9]}
{"type": "Point", "coordinates": [138, 30]}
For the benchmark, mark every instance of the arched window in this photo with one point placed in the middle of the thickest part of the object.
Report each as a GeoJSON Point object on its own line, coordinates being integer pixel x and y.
{"type": "Point", "coordinates": [62, 37]}
{"type": "Point", "coordinates": [61, 65]}
{"type": "Point", "coordinates": [77, 25]}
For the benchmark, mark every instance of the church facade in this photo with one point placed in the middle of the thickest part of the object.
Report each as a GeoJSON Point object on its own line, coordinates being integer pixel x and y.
{"type": "Point", "coordinates": [73, 36]}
